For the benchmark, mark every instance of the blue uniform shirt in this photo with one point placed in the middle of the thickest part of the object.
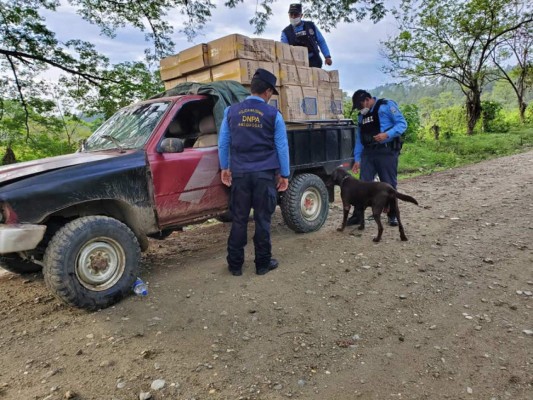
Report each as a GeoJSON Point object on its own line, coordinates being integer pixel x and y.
{"type": "Point", "coordinates": [280, 140]}
{"type": "Point", "coordinates": [391, 121]}
{"type": "Point", "coordinates": [319, 39]}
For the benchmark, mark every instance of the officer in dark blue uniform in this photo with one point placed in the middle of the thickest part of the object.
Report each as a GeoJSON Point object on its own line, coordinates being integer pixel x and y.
{"type": "Point", "coordinates": [378, 142]}
{"type": "Point", "coordinates": [254, 158]}
{"type": "Point", "coordinates": [306, 34]}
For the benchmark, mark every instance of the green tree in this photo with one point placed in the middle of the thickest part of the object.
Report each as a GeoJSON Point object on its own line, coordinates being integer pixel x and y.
{"type": "Point", "coordinates": [452, 40]}
{"type": "Point", "coordinates": [517, 44]}
{"type": "Point", "coordinates": [125, 83]}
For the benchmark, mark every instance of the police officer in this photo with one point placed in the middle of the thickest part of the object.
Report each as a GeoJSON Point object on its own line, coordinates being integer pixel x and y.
{"type": "Point", "coordinates": [378, 142]}
{"type": "Point", "coordinates": [306, 34]}
{"type": "Point", "coordinates": [254, 158]}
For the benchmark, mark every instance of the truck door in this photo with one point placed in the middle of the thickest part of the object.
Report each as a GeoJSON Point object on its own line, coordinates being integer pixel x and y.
{"type": "Point", "coordinates": [187, 185]}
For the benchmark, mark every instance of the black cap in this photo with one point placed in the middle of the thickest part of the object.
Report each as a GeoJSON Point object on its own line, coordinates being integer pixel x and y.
{"type": "Point", "coordinates": [266, 76]}
{"type": "Point", "coordinates": [295, 8]}
{"type": "Point", "coordinates": [358, 98]}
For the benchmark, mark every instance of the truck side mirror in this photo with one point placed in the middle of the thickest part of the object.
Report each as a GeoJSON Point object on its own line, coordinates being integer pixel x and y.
{"type": "Point", "coordinates": [171, 145]}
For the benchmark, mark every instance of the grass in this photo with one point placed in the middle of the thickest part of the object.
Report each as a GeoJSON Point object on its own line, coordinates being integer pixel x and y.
{"type": "Point", "coordinates": [424, 157]}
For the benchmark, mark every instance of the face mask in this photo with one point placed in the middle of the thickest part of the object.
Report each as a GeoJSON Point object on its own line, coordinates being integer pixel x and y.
{"type": "Point", "coordinates": [364, 111]}
{"type": "Point", "coordinates": [295, 21]}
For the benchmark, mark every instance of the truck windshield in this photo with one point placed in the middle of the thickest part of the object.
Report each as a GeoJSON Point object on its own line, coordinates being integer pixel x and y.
{"type": "Point", "coordinates": [129, 128]}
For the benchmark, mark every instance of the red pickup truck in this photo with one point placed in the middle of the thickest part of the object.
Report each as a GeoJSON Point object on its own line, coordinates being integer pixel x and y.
{"type": "Point", "coordinates": [152, 168]}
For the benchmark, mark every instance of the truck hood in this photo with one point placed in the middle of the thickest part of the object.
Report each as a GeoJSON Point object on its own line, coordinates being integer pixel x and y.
{"type": "Point", "coordinates": [12, 172]}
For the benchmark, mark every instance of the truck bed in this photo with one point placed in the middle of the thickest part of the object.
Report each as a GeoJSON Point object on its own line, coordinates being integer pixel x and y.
{"type": "Point", "coordinates": [321, 145]}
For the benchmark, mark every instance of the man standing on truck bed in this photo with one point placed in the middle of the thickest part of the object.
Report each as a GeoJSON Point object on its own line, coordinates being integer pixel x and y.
{"type": "Point", "coordinates": [378, 142]}
{"type": "Point", "coordinates": [252, 148]}
{"type": "Point", "coordinates": [306, 34]}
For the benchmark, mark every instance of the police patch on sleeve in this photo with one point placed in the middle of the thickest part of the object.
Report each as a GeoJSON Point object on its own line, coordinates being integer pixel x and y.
{"type": "Point", "coordinates": [393, 110]}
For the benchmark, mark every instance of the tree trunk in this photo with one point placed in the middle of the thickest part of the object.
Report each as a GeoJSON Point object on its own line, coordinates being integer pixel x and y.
{"type": "Point", "coordinates": [522, 108]}
{"type": "Point", "coordinates": [9, 157]}
{"type": "Point", "coordinates": [473, 110]}
{"type": "Point", "coordinates": [436, 131]}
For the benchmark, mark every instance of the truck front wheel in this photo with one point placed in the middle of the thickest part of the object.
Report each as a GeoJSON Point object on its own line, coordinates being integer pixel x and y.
{"type": "Point", "coordinates": [92, 262]}
{"type": "Point", "coordinates": [305, 203]}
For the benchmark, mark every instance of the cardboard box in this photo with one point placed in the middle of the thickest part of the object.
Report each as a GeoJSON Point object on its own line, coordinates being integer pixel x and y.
{"type": "Point", "coordinates": [293, 55]}
{"type": "Point", "coordinates": [295, 75]}
{"type": "Point", "coordinates": [325, 98]}
{"type": "Point", "coordinates": [242, 70]}
{"type": "Point", "coordinates": [321, 78]}
{"type": "Point", "coordinates": [193, 59]}
{"type": "Point", "coordinates": [299, 103]}
{"type": "Point", "coordinates": [169, 68]}
{"type": "Point", "coordinates": [172, 83]}
{"type": "Point", "coordinates": [275, 101]}
{"type": "Point", "coordinates": [237, 70]}
{"type": "Point", "coordinates": [334, 76]}
{"type": "Point", "coordinates": [337, 103]}
{"type": "Point", "coordinates": [200, 76]}
{"type": "Point", "coordinates": [230, 48]}
{"type": "Point", "coordinates": [265, 50]}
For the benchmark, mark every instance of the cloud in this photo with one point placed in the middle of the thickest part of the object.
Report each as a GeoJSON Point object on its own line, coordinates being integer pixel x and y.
{"type": "Point", "coordinates": [354, 47]}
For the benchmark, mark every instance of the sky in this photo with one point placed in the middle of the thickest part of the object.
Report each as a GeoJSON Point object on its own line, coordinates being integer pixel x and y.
{"type": "Point", "coordinates": [355, 47]}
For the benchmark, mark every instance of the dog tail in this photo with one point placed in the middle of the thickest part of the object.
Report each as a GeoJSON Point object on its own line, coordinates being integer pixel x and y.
{"type": "Point", "coordinates": [405, 197]}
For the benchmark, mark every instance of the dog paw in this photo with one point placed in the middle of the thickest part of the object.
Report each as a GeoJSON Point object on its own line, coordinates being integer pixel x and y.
{"type": "Point", "coordinates": [403, 238]}
{"type": "Point", "coordinates": [376, 239]}
{"type": "Point", "coordinates": [362, 227]}
{"type": "Point", "coordinates": [340, 229]}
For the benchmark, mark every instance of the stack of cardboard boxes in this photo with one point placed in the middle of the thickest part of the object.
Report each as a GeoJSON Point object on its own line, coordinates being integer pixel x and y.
{"type": "Point", "coordinates": [305, 93]}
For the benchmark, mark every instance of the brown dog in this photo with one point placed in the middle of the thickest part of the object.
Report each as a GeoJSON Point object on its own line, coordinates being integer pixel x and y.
{"type": "Point", "coordinates": [379, 195]}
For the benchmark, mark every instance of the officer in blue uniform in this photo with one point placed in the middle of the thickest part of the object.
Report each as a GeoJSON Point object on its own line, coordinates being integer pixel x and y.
{"type": "Point", "coordinates": [378, 142]}
{"type": "Point", "coordinates": [306, 34]}
{"type": "Point", "coordinates": [254, 158]}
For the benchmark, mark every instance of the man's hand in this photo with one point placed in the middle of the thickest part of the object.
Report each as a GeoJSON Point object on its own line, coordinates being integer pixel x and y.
{"type": "Point", "coordinates": [283, 184]}
{"type": "Point", "coordinates": [355, 167]}
{"type": "Point", "coordinates": [329, 61]}
{"type": "Point", "coordinates": [380, 137]}
{"type": "Point", "coordinates": [225, 176]}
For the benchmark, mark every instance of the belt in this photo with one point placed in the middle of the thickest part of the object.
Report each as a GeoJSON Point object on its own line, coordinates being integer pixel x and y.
{"type": "Point", "coordinates": [379, 145]}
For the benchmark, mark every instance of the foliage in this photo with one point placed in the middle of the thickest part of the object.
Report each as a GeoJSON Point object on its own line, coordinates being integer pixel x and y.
{"type": "Point", "coordinates": [490, 117]}
{"type": "Point", "coordinates": [426, 156]}
{"type": "Point", "coordinates": [410, 112]}
{"type": "Point", "coordinates": [126, 83]}
{"type": "Point", "coordinates": [517, 44]}
{"type": "Point", "coordinates": [451, 40]}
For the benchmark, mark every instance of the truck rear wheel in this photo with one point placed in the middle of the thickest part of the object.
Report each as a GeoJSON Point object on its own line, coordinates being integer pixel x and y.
{"type": "Point", "coordinates": [17, 265]}
{"type": "Point", "coordinates": [92, 262]}
{"type": "Point", "coordinates": [305, 203]}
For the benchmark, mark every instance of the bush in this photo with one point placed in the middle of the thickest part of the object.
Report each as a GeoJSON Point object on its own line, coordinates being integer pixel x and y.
{"type": "Point", "coordinates": [492, 117]}
{"type": "Point", "coordinates": [410, 112]}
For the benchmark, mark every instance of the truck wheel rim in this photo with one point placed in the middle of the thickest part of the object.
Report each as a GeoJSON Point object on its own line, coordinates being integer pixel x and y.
{"type": "Point", "coordinates": [310, 204]}
{"type": "Point", "coordinates": [100, 264]}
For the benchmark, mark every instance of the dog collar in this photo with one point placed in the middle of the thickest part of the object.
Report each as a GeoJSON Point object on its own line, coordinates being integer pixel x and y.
{"type": "Point", "coordinates": [345, 177]}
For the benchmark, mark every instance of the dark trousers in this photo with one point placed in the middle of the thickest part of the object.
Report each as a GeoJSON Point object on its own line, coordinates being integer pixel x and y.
{"type": "Point", "coordinates": [382, 161]}
{"type": "Point", "coordinates": [315, 61]}
{"type": "Point", "coordinates": [249, 190]}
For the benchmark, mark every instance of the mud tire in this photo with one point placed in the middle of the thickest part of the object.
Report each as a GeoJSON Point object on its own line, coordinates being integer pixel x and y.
{"type": "Point", "coordinates": [69, 271]}
{"type": "Point", "coordinates": [304, 205]}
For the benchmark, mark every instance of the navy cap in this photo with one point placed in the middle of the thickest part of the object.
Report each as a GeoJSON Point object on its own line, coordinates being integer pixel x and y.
{"type": "Point", "coordinates": [358, 98]}
{"type": "Point", "coordinates": [266, 76]}
{"type": "Point", "coordinates": [295, 8]}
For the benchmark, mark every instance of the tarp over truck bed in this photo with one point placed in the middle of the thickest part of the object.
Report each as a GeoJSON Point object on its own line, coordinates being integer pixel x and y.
{"type": "Point", "coordinates": [224, 94]}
